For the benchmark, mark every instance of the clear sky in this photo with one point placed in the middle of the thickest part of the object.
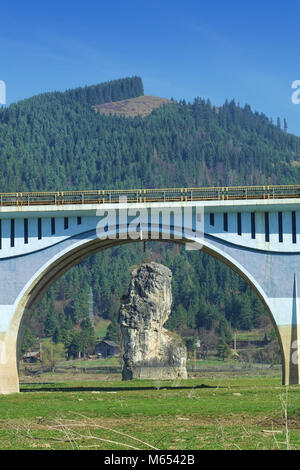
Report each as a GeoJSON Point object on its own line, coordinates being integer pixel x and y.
{"type": "Point", "coordinates": [248, 51]}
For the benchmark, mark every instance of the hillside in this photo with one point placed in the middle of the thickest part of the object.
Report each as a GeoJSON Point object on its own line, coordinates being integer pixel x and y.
{"type": "Point", "coordinates": [140, 106]}
{"type": "Point", "coordinates": [56, 141]}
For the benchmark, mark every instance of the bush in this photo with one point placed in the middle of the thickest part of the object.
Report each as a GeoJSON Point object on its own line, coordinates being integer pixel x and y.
{"type": "Point", "coordinates": [51, 354]}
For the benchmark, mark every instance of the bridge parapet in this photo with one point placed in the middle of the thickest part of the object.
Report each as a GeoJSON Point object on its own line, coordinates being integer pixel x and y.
{"type": "Point", "coordinates": [59, 198]}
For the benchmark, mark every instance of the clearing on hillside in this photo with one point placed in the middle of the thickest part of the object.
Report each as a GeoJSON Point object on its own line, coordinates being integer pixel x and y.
{"type": "Point", "coordinates": [140, 106]}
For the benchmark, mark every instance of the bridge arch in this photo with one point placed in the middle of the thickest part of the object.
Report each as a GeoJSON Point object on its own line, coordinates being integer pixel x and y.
{"type": "Point", "coordinates": [88, 244]}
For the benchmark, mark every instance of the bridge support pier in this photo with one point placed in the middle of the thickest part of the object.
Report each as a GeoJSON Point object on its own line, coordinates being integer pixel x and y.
{"type": "Point", "coordinates": [290, 359]}
{"type": "Point", "coordinates": [9, 377]}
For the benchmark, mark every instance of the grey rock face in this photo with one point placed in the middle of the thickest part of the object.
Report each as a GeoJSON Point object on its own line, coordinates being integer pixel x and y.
{"type": "Point", "coordinates": [150, 351]}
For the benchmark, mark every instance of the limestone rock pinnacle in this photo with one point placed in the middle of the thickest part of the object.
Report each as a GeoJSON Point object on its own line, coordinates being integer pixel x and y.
{"type": "Point", "coordinates": [150, 351]}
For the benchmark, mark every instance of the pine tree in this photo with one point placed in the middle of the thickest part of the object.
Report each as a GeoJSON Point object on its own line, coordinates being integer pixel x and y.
{"type": "Point", "coordinates": [223, 350]}
{"type": "Point", "coordinates": [113, 331]}
{"type": "Point", "coordinates": [28, 341]}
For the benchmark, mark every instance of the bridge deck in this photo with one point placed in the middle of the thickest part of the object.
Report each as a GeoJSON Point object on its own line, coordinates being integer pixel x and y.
{"type": "Point", "coordinates": [149, 195]}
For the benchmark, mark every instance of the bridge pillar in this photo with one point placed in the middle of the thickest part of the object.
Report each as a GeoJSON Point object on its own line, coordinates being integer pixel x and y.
{"type": "Point", "coordinates": [289, 336]}
{"type": "Point", "coordinates": [9, 378]}
{"type": "Point", "coordinates": [290, 362]}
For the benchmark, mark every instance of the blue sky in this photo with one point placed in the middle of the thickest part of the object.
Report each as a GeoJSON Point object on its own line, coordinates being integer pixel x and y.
{"type": "Point", "coordinates": [248, 51]}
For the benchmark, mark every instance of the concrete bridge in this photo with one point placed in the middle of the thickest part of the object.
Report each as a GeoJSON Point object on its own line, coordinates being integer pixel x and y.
{"type": "Point", "coordinates": [254, 230]}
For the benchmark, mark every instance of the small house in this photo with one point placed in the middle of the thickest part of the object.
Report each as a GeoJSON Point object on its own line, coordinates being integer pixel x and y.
{"type": "Point", "coordinates": [31, 357]}
{"type": "Point", "coordinates": [107, 348]}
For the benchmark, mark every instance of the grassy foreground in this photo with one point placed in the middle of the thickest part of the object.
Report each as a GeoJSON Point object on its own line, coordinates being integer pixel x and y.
{"type": "Point", "coordinates": [240, 412]}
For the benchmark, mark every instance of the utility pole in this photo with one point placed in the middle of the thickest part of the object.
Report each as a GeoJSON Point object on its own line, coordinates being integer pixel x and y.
{"type": "Point", "coordinates": [91, 307]}
{"type": "Point", "coordinates": [52, 364]}
{"type": "Point", "coordinates": [234, 341]}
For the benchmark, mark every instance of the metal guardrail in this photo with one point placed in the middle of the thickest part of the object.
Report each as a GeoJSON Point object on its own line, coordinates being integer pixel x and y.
{"type": "Point", "coordinates": [59, 198]}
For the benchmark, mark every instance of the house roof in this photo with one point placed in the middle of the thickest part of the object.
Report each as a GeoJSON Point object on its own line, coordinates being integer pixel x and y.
{"type": "Point", "coordinates": [110, 343]}
{"type": "Point", "coordinates": [31, 354]}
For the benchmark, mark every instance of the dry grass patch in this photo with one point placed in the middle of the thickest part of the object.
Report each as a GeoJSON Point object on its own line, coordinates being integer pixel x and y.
{"type": "Point", "coordinates": [140, 106]}
{"type": "Point", "coordinates": [77, 431]}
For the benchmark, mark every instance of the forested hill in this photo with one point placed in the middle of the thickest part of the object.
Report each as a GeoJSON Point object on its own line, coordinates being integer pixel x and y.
{"type": "Point", "coordinates": [57, 141]}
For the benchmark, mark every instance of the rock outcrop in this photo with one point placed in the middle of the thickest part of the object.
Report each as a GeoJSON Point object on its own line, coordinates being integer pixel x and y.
{"type": "Point", "coordinates": [150, 351]}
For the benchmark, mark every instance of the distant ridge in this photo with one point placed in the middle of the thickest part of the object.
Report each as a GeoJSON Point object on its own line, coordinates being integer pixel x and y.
{"type": "Point", "coordinates": [140, 106]}
{"type": "Point", "coordinates": [114, 90]}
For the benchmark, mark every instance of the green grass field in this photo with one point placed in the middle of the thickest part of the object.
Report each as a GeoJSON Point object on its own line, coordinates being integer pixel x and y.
{"type": "Point", "coordinates": [212, 411]}
{"type": "Point", "coordinates": [101, 327]}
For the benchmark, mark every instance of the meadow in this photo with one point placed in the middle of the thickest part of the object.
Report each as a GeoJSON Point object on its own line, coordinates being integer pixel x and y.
{"type": "Point", "coordinates": [213, 409]}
